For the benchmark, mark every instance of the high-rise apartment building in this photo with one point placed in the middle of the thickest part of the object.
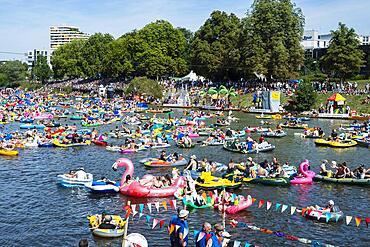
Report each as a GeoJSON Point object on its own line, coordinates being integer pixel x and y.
{"type": "Point", "coordinates": [31, 57]}
{"type": "Point", "coordinates": [60, 35]}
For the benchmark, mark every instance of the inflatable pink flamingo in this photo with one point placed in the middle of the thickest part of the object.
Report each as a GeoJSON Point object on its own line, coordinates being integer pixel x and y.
{"type": "Point", "coordinates": [136, 189]}
{"type": "Point", "coordinates": [243, 204]}
{"type": "Point", "coordinates": [307, 175]}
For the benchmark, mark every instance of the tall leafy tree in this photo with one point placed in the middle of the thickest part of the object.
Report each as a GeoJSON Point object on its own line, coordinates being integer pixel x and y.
{"type": "Point", "coordinates": [343, 57]}
{"type": "Point", "coordinates": [12, 73]}
{"type": "Point", "coordinates": [157, 50]}
{"type": "Point", "coordinates": [215, 48]}
{"type": "Point", "coordinates": [271, 36]}
{"type": "Point", "coordinates": [305, 97]}
{"type": "Point", "coordinates": [145, 86]}
{"type": "Point", "coordinates": [42, 71]}
{"type": "Point", "coordinates": [94, 52]}
{"type": "Point", "coordinates": [67, 61]}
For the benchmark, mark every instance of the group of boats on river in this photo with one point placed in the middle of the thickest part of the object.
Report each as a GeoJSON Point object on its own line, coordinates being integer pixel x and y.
{"type": "Point", "coordinates": [58, 121]}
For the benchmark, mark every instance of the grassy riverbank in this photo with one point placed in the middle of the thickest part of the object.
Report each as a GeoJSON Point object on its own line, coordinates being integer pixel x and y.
{"type": "Point", "coordinates": [354, 101]}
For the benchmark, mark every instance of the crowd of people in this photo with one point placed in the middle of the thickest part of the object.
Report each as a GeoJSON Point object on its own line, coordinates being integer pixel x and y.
{"type": "Point", "coordinates": [341, 170]}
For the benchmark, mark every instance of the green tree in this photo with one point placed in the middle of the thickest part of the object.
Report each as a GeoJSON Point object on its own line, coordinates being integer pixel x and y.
{"type": "Point", "coordinates": [93, 53]}
{"type": "Point", "coordinates": [215, 47]}
{"type": "Point", "coordinates": [145, 86]}
{"type": "Point", "coordinates": [12, 73]}
{"type": "Point", "coordinates": [343, 58]}
{"type": "Point", "coordinates": [41, 70]}
{"type": "Point", "coordinates": [271, 36]}
{"type": "Point", "coordinates": [68, 61]}
{"type": "Point", "coordinates": [305, 97]}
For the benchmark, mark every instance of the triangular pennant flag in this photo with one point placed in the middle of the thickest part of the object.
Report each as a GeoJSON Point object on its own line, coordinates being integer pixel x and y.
{"type": "Point", "coordinates": [133, 207]}
{"type": "Point", "coordinates": [260, 204]}
{"type": "Point", "coordinates": [173, 204]}
{"type": "Point", "coordinates": [319, 214]}
{"type": "Point", "coordinates": [328, 217]}
{"type": "Point", "coordinates": [195, 233]}
{"type": "Point", "coordinates": [149, 207]}
{"type": "Point", "coordinates": [164, 204]}
{"type": "Point", "coordinates": [155, 222]}
{"type": "Point", "coordinates": [134, 213]}
{"type": "Point", "coordinates": [358, 221]}
{"type": "Point", "coordinates": [147, 218]}
{"type": "Point", "coordinates": [161, 223]}
{"type": "Point", "coordinates": [204, 195]}
{"type": "Point", "coordinates": [177, 227]}
{"type": "Point", "coordinates": [140, 215]}
{"type": "Point", "coordinates": [141, 208]}
{"type": "Point", "coordinates": [283, 208]}
{"type": "Point", "coordinates": [210, 194]}
{"type": "Point", "coordinates": [253, 200]}
{"type": "Point", "coordinates": [268, 205]}
{"type": "Point", "coordinates": [348, 220]}
{"type": "Point", "coordinates": [236, 243]}
{"type": "Point", "coordinates": [128, 212]}
{"type": "Point", "coordinates": [337, 217]}
{"type": "Point", "coordinates": [186, 231]}
{"type": "Point", "coordinates": [157, 206]}
{"type": "Point", "coordinates": [200, 236]}
{"type": "Point", "coordinates": [304, 210]}
{"type": "Point", "coordinates": [247, 245]}
{"type": "Point", "coordinates": [232, 197]}
{"type": "Point", "coordinates": [171, 228]}
{"type": "Point", "coordinates": [292, 210]}
{"type": "Point", "coordinates": [277, 206]}
{"type": "Point", "coordinates": [367, 220]}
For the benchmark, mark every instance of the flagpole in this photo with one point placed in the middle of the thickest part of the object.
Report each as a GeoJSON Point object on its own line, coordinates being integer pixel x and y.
{"type": "Point", "coordinates": [126, 227]}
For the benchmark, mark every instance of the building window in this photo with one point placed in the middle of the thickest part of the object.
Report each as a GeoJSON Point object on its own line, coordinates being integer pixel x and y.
{"type": "Point", "coordinates": [318, 44]}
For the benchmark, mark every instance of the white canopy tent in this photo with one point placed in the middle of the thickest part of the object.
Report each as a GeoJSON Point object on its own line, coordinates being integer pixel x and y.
{"type": "Point", "coordinates": [192, 76]}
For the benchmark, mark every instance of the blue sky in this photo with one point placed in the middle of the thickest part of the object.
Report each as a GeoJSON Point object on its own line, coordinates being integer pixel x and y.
{"type": "Point", "coordinates": [24, 24]}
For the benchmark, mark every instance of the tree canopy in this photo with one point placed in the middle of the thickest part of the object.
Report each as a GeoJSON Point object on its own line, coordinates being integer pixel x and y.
{"type": "Point", "coordinates": [343, 57]}
{"type": "Point", "coordinates": [215, 48]}
{"type": "Point", "coordinates": [145, 86]}
{"type": "Point", "coordinates": [42, 71]}
{"type": "Point", "coordinates": [271, 37]}
{"type": "Point", "coordinates": [12, 73]}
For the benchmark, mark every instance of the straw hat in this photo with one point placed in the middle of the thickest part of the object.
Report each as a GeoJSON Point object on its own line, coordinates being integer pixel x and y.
{"type": "Point", "coordinates": [183, 213]}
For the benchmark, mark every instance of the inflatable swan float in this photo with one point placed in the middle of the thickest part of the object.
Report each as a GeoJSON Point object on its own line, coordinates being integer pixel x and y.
{"type": "Point", "coordinates": [136, 189]}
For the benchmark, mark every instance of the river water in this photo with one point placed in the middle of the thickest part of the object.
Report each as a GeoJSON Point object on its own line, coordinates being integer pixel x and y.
{"type": "Point", "coordinates": [36, 211]}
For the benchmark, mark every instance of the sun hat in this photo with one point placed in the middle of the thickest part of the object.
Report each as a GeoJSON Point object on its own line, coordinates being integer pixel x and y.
{"type": "Point", "coordinates": [193, 157]}
{"type": "Point", "coordinates": [183, 213]}
{"type": "Point", "coordinates": [331, 202]}
{"type": "Point", "coordinates": [226, 235]}
{"type": "Point", "coordinates": [250, 158]}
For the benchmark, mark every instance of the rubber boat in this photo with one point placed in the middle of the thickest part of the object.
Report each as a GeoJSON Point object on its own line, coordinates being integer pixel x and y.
{"type": "Point", "coordinates": [363, 142]}
{"type": "Point", "coordinates": [307, 175]}
{"type": "Point", "coordinates": [74, 182]}
{"type": "Point", "coordinates": [274, 134]}
{"type": "Point", "coordinates": [260, 148]}
{"type": "Point", "coordinates": [113, 148]}
{"type": "Point", "coordinates": [322, 216]}
{"type": "Point", "coordinates": [295, 126]}
{"type": "Point", "coordinates": [354, 181]}
{"type": "Point", "coordinates": [160, 145]}
{"type": "Point", "coordinates": [188, 201]}
{"type": "Point", "coordinates": [7, 152]}
{"type": "Point", "coordinates": [271, 181]}
{"type": "Point", "coordinates": [323, 142]}
{"type": "Point", "coordinates": [213, 143]}
{"type": "Point", "coordinates": [58, 144]}
{"type": "Point", "coordinates": [135, 189]}
{"type": "Point", "coordinates": [90, 124]}
{"type": "Point", "coordinates": [180, 145]}
{"type": "Point", "coordinates": [26, 120]}
{"type": "Point", "coordinates": [107, 233]}
{"type": "Point", "coordinates": [243, 204]}
{"type": "Point", "coordinates": [103, 187]}
{"type": "Point", "coordinates": [130, 151]}
{"type": "Point", "coordinates": [263, 117]}
{"type": "Point", "coordinates": [45, 144]}
{"type": "Point", "coordinates": [32, 126]}
{"type": "Point", "coordinates": [208, 182]}
{"type": "Point", "coordinates": [75, 117]}
{"type": "Point", "coordinates": [161, 163]}
{"type": "Point", "coordinates": [43, 116]}
{"type": "Point", "coordinates": [100, 143]}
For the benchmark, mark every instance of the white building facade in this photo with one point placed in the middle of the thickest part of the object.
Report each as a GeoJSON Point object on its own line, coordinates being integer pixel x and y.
{"type": "Point", "coordinates": [60, 35]}
{"type": "Point", "coordinates": [31, 57]}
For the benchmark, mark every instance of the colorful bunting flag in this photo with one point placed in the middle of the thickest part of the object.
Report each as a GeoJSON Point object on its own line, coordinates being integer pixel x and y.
{"type": "Point", "coordinates": [328, 217]}
{"type": "Point", "coordinates": [283, 208]}
{"type": "Point", "coordinates": [147, 218]}
{"type": "Point", "coordinates": [247, 245]}
{"type": "Point", "coordinates": [367, 220]}
{"type": "Point", "coordinates": [133, 207]}
{"type": "Point", "coordinates": [260, 204]}
{"type": "Point", "coordinates": [277, 206]}
{"type": "Point", "coordinates": [292, 210]}
{"type": "Point", "coordinates": [155, 222]}
{"type": "Point", "coordinates": [319, 214]}
{"type": "Point", "coordinates": [173, 204]}
{"type": "Point", "coordinates": [337, 217]}
{"type": "Point", "coordinates": [237, 243]}
{"type": "Point", "coordinates": [348, 219]}
{"type": "Point", "coordinates": [140, 215]}
{"type": "Point", "coordinates": [161, 223]}
{"type": "Point", "coordinates": [253, 200]}
{"type": "Point", "coordinates": [171, 228]}
{"type": "Point", "coordinates": [149, 207]}
{"type": "Point", "coordinates": [358, 221]}
{"type": "Point", "coordinates": [268, 205]}
{"type": "Point", "coordinates": [157, 206]}
{"type": "Point", "coordinates": [164, 204]}
{"type": "Point", "coordinates": [141, 207]}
